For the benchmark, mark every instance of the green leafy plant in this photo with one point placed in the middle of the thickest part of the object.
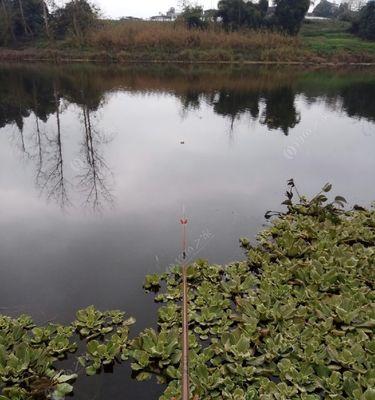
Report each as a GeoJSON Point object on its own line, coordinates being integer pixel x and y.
{"type": "Point", "coordinates": [294, 321]}
{"type": "Point", "coordinates": [29, 353]}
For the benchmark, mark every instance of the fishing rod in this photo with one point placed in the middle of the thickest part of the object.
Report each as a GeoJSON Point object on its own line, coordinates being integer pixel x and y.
{"type": "Point", "coordinates": [185, 315]}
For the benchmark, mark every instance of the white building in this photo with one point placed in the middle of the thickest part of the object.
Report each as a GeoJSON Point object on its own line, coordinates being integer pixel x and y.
{"type": "Point", "coordinates": [170, 15]}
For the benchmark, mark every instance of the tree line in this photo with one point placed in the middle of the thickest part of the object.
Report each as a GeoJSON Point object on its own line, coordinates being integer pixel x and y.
{"type": "Point", "coordinates": [38, 94]}
{"type": "Point", "coordinates": [360, 13]}
{"type": "Point", "coordinates": [22, 20]}
{"type": "Point", "coordinates": [285, 15]}
{"type": "Point", "coordinates": [364, 24]}
{"type": "Point", "coordinates": [32, 91]}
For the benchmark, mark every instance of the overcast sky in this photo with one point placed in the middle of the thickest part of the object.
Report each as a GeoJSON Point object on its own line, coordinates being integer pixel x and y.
{"type": "Point", "coordinates": [142, 8]}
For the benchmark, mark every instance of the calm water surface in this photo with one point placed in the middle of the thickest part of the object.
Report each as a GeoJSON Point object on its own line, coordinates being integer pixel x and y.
{"type": "Point", "coordinates": [97, 163]}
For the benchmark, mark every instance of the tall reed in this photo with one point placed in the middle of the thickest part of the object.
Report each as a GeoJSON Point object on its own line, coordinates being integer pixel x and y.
{"type": "Point", "coordinates": [169, 37]}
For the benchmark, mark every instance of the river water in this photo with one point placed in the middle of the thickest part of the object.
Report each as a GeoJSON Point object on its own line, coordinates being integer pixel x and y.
{"type": "Point", "coordinates": [97, 165]}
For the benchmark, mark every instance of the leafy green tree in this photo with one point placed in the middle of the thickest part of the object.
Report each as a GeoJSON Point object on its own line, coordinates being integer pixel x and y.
{"type": "Point", "coordinates": [232, 13]}
{"type": "Point", "coordinates": [289, 15]}
{"type": "Point", "coordinates": [326, 9]}
{"type": "Point", "coordinates": [366, 24]}
{"type": "Point", "coordinates": [210, 15]}
{"type": "Point", "coordinates": [236, 14]}
{"type": "Point", "coordinates": [20, 19]}
{"type": "Point", "coordinates": [28, 18]}
{"type": "Point", "coordinates": [263, 7]}
{"type": "Point", "coordinates": [6, 33]}
{"type": "Point", "coordinates": [344, 13]}
{"type": "Point", "coordinates": [193, 16]}
{"type": "Point", "coordinates": [76, 18]}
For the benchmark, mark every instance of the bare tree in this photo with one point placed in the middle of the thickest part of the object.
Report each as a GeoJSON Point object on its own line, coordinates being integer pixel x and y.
{"type": "Point", "coordinates": [95, 174]}
{"type": "Point", "coordinates": [39, 144]}
{"type": "Point", "coordinates": [52, 179]}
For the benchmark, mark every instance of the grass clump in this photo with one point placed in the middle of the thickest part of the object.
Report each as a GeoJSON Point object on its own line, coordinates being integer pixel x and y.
{"type": "Point", "coordinates": [173, 39]}
{"type": "Point", "coordinates": [319, 41]}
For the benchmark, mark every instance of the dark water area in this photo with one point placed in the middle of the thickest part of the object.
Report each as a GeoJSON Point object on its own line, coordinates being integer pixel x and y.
{"type": "Point", "coordinates": [97, 163]}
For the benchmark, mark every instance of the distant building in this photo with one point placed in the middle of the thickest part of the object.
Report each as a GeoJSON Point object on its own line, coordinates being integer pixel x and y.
{"type": "Point", "coordinates": [161, 18]}
{"type": "Point", "coordinates": [170, 15]}
{"type": "Point", "coordinates": [130, 19]}
{"type": "Point", "coordinates": [312, 17]}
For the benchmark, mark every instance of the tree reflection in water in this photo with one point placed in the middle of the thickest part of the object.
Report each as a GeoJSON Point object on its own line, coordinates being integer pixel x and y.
{"type": "Point", "coordinates": [280, 111]}
{"type": "Point", "coordinates": [93, 178]}
{"type": "Point", "coordinates": [43, 93]}
{"type": "Point", "coordinates": [51, 173]}
{"type": "Point", "coordinates": [44, 146]}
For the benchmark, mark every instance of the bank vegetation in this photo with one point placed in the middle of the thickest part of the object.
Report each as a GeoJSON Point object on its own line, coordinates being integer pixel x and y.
{"type": "Point", "coordinates": [237, 31]}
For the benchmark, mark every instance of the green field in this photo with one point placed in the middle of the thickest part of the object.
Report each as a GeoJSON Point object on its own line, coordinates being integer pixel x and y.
{"type": "Point", "coordinates": [327, 37]}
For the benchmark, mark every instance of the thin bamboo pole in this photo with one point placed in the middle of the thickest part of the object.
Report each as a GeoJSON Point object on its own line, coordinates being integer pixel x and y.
{"type": "Point", "coordinates": [185, 318]}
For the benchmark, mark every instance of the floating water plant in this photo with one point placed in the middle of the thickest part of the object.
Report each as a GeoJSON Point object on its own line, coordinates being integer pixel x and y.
{"type": "Point", "coordinates": [29, 354]}
{"type": "Point", "coordinates": [295, 320]}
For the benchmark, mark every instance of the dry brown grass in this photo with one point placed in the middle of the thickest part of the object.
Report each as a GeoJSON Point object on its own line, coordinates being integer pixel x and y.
{"type": "Point", "coordinates": [123, 42]}
{"type": "Point", "coordinates": [171, 37]}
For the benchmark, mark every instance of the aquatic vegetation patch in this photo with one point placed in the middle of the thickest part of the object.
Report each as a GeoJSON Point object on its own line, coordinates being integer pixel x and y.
{"type": "Point", "coordinates": [29, 354]}
{"type": "Point", "coordinates": [294, 321]}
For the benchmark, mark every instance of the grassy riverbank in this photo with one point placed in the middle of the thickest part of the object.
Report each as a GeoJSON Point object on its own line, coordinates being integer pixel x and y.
{"type": "Point", "coordinates": [122, 42]}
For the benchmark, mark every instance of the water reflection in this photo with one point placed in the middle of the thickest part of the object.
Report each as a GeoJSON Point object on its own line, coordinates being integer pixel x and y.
{"type": "Point", "coordinates": [50, 177]}
{"type": "Point", "coordinates": [41, 96]}
{"type": "Point", "coordinates": [26, 90]}
{"type": "Point", "coordinates": [94, 171]}
{"type": "Point", "coordinates": [268, 97]}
